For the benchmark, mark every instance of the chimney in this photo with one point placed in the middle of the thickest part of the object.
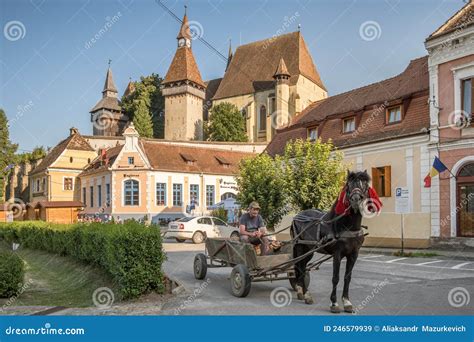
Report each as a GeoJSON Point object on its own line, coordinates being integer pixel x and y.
{"type": "Point", "coordinates": [73, 130]}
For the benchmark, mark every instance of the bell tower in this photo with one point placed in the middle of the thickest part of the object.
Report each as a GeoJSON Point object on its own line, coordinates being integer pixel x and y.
{"type": "Point", "coordinates": [184, 91]}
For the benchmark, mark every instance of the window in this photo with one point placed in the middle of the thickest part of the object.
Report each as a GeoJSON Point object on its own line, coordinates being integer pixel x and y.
{"type": "Point", "coordinates": [194, 194]}
{"type": "Point", "coordinates": [84, 197]}
{"type": "Point", "coordinates": [381, 180]}
{"type": "Point", "coordinates": [99, 196]}
{"type": "Point", "coordinates": [205, 220]}
{"type": "Point", "coordinates": [131, 192]}
{"type": "Point", "coordinates": [394, 114]}
{"type": "Point", "coordinates": [68, 183]}
{"type": "Point", "coordinates": [107, 195]}
{"type": "Point", "coordinates": [262, 119]}
{"type": "Point", "coordinates": [177, 195]}
{"type": "Point", "coordinates": [467, 97]}
{"type": "Point", "coordinates": [219, 222]}
{"type": "Point", "coordinates": [313, 133]}
{"type": "Point", "coordinates": [92, 196]}
{"type": "Point", "coordinates": [227, 195]}
{"type": "Point", "coordinates": [71, 159]}
{"type": "Point", "coordinates": [160, 193]}
{"type": "Point", "coordinates": [210, 189]}
{"type": "Point", "coordinates": [131, 160]}
{"type": "Point", "coordinates": [43, 185]}
{"type": "Point", "coordinates": [348, 125]}
{"type": "Point", "coordinates": [37, 187]}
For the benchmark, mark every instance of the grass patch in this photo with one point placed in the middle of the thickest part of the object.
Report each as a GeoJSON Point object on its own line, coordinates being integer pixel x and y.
{"type": "Point", "coordinates": [415, 254]}
{"type": "Point", "coordinates": [53, 280]}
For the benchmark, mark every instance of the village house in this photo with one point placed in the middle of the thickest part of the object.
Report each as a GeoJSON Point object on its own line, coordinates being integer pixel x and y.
{"type": "Point", "coordinates": [382, 128]}
{"type": "Point", "coordinates": [156, 180]}
{"type": "Point", "coordinates": [451, 71]}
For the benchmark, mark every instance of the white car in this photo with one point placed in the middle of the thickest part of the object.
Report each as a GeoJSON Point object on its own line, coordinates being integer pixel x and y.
{"type": "Point", "coordinates": [198, 228]}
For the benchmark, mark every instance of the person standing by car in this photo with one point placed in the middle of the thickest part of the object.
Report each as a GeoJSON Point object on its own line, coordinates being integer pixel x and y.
{"type": "Point", "coordinates": [252, 227]}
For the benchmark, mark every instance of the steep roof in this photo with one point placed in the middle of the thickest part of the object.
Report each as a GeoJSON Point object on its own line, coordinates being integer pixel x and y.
{"type": "Point", "coordinates": [184, 31]}
{"type": "Point", "coordinates": [107, 103]}
{"type": "Point", "coordinates": [460, 20]}
{"type": "Point", "coordinates": [167, 157]}
{"type": "Point", "coordinates": [253, 65]}
{"type": "Point", "coordinates": [73, 142]}
{"type": "Point", "coordinates": [98, 163]}
{"type": "Point", "coordinates": [184, 68]}
{"type": "Point", "coordinates": [109, 84]}
{"type": "Point", "coordinates": [211, 87]}
{"type": "Point", "coordinates": [281, 69]}
{"type": "Point", "coordinates": [367, 104]}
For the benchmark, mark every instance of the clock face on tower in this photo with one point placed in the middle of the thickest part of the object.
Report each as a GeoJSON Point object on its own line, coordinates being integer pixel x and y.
{"type": "Point", "coordinates": [184, 42]}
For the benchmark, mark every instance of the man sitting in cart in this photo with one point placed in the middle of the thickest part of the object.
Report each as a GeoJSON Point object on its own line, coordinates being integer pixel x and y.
{"type": "Point", "coordinates": [252, 228]}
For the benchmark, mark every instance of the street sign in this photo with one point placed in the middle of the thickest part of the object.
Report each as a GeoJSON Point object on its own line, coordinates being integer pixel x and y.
{"type": "Point", "coordinates": [402, 200]}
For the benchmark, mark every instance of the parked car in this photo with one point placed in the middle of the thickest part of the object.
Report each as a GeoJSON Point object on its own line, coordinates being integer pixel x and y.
{"type": "Point", "coordinates": [198, 228]}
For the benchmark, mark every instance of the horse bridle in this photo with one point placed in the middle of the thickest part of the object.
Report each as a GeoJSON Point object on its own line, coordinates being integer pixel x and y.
{"type": "Point", "coordinates": [356, 190]}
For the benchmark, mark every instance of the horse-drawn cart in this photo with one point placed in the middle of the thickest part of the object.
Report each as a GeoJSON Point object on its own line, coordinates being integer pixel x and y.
{"type": "Point", "coordinates": [247, 266]}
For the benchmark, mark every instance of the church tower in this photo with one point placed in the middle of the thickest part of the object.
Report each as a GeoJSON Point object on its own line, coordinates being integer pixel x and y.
{"type": "Point", "coordinates": [282, 94]}
{"type": "Point", "coordinates": [184, 92]}
{"type": "Point", "coordinates": [107, 117]}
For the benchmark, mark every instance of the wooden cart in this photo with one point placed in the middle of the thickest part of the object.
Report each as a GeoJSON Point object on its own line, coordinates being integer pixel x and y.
{"type": "Point", "coordinates": [247, 266]}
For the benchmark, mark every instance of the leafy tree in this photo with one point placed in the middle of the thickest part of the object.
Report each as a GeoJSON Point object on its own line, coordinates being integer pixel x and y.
{"type": "Point", "coordinates": [313, 174]}
{"type": "Point", "coordinates": [142, 120]}
{"type": "Point", "coordinates": [226, 123]}
{"type": "Point", "coordinates": [38, 152]}
{"type": "Point", "coordinates": [7, 152]}
{"type": "Point", "coordinates": [148, 89]}
{"type": "Point", "coordinates": [259, 179]}
{"type": "Point", "coordinates": [220, 213]}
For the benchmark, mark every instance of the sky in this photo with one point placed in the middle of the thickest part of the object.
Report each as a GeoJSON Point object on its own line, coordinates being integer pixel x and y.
{"type": "Point", "coordinates": [52, 70]}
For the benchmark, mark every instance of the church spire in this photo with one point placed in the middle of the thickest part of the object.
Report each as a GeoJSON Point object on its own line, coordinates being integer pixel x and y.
{"type": "Point", "coordinates": [229, 55]}
{"type": "Point", "coordinates": [110, 90]}
{"type": "Point", "coordinates": [281, 71]}
{"type": "Point", "coordinates": [184, 35]}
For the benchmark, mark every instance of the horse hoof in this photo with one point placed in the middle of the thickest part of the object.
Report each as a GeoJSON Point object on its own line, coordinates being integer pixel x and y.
{"type": "Point", "coordinates": [347, 305]}
{"type": "Point", "coordinates": [299, 293]}
{"type": "Point", "coordinates": [335, 308]}
{"type": "Point", "coordinates": [308, 299]}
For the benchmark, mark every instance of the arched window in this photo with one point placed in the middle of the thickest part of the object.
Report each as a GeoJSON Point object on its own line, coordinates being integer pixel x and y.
{"type": "Point", "coordinates": [131, 192]}
{"type": "Point", "coordinates": [467, 171]}
{"type": "Point", "coordinates": [228, 195]}
{"type": "Point", "coordinates": [262, 125]}
{"type": "Point", "coordinates": [465, 200]}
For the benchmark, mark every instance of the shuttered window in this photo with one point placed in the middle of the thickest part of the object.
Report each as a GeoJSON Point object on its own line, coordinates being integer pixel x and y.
{"type": "Point", "coordinates": [382, 180]}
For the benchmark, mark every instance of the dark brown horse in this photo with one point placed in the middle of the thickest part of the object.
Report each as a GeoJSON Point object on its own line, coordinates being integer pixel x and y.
{"type": "Point", "coordinates": [342, 228]}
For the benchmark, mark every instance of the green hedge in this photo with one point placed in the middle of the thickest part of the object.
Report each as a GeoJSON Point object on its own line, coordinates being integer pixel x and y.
{"type": "Point", "coordinates": [12, 272]}
{"type": "Point", "coordinates": [131, 253]}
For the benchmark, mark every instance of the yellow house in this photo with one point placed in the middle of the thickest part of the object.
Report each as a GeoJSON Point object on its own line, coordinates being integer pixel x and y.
{"type": "Point", "coordinates": [55, 178]}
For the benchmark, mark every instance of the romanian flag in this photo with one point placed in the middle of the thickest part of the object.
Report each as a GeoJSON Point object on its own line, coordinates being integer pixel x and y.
{"type": "Point", "coordinates": [437, 167]}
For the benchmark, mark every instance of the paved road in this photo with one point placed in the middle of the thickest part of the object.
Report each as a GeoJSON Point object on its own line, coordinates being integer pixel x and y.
{"type": "Point", "coordinates": [381, 285]}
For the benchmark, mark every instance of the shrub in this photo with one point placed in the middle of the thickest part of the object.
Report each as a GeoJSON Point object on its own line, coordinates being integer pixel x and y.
{"type": "Point", "coordinates": [12, 272]}
{"type": "Point", "coordinates": [131, 253]}
{"type": "Point", "coordinates": [220, 213]}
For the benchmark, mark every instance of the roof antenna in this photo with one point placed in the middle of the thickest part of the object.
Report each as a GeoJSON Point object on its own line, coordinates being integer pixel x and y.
{"type": "Point", "coordinates": [299, 27]}
{"type": "Point", "coordinates": [110, 61]}
{"type": "Point", "coordinates": [185, 9]}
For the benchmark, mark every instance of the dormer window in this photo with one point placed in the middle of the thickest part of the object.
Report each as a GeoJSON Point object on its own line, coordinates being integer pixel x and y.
{"type": "Point", "coordinates": [189, 159]}
{"type": "Point", "coordinates": [313, 133]}
{"type": "Point", "coordinates": [348, 125]}
{"type": "Point", "coordinates": [131, 160]}
{"type": "Point", "coordinates": [224, 162]}
{"type": "Point", "coordinates": [394, 114]}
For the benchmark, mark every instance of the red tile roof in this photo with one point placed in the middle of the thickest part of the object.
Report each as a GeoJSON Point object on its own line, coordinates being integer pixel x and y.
{"type": "Point", "coordinates": [184, 68]}
{"type": "Point", "coordinates": [460, 20]}
{"type": "Point", "coordinates": [367, 104]}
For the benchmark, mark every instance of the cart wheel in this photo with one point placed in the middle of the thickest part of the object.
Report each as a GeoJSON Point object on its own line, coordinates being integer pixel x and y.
{"type": "Point", "coordinates": [198, 237]}
{"type": "Point", "coordinates": [200, 266]}
{"type": "Point", "coordinates": [240, 281]}
{"type": "Point", "coordinates": [307, 279]}
{"type": "Point", "coordinates": [180, 240]}
{"type": "Point", "coordinates": [235, 236]}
